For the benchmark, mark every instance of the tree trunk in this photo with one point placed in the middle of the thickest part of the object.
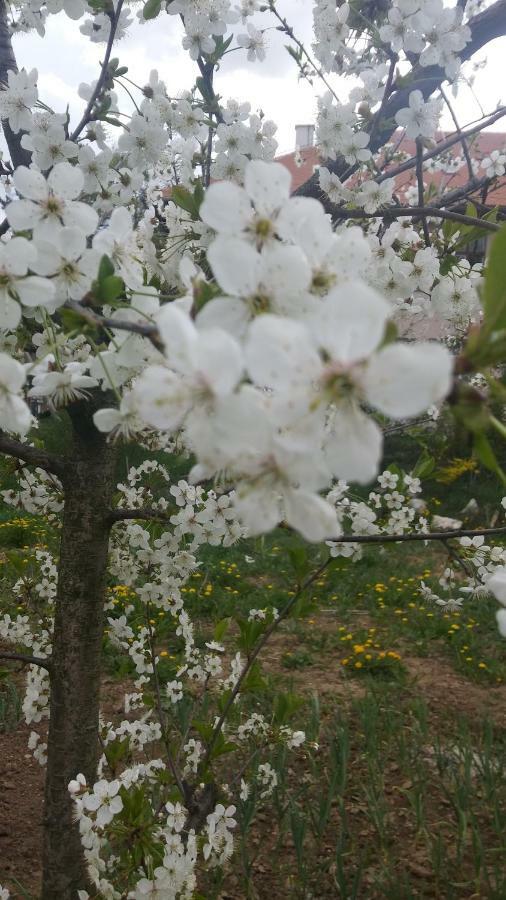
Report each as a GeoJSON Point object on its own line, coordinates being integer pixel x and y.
{"type": "Point", "coordinates": [77, 643]}
{"type": "Point", "coordinates": [19, 156]}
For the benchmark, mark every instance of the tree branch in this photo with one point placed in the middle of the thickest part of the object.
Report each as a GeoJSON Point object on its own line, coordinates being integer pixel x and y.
{"type": "Point", "coordinates": [417, 536]}
{"type": "Point", "coordinates": [31, 455]}
{"type": "Point", "coordinates": [396, 212]}
{"type": "Point", "coordinates": [444, 145]}
{"type": "Point", "coordinates": [19, 156]}
{"type": "Point", "coordinates": [254, 653]}
{"type": "Point", "coordinates": [27, 660]}
{"type": "Point", "coordinates": [146, 330]}
{"type": "Point", "coordinates": [485, 27]}
{"type": "Point", "coordinates": [463, 141]}
{"type": "Point", "coordinates": [103, 74]}
{"type": "Point", "coordinates": [419, 182]}
{"type": "Point", "coordinates": [120, 515]}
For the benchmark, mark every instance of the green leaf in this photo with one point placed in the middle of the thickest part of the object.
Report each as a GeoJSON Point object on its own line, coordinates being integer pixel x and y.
{"type": "Point", "coordinates": [391, 334]}
{"type": "Point", "coordinates": [17, 562]}
{"type": "Point", "coordinates": [484, 452]}
{"type": "Point", "coordinates": [425, 465]}
{"type": "Point", "coordinates": [447, 264]}
{"type": "Point", "coordinates": [105, 269]}
{"type": "Point", "coordinates": [220, 629]}
{"type": "Point", "coordinates": [250, 632]}
{"type": "Point", "coordinates": [198, 194]}
{"type": "Point", "coordinates": [151, 9]}
{"type": "Point", "coordinates": [182, 197]}
{"type": "Point", "coordinates": [471, 409]}
{"type": "Point", "coordinates": [494, 291]}
{"type": "Point", "coordinates": [299, 560]}
{"type": "Point", "coordinates": [222, 746]}
{"type": "Point", "coordinates": [111, 288]}
{"type": "Point", "coordinates": [73, 322]}
{"type": "Point", "coordinates": [286, 705]}
{"type": "Point", "coordinates": [254, 681]}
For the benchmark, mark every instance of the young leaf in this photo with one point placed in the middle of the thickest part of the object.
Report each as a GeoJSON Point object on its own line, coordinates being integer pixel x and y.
{"type": "Point", "coordinates": [484, 452]}
{"type": "Point", "coordinates": [494, 291]}
{"type": "Point", "coordinates": [151, 9]}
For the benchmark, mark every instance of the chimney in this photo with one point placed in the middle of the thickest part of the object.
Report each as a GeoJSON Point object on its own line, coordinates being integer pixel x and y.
{"type": "Point", "coordinates": [304, 136]}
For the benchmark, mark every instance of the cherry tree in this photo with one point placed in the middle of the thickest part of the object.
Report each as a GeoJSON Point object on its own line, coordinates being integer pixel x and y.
{"type": "Point", "coordinates": [161, 285]}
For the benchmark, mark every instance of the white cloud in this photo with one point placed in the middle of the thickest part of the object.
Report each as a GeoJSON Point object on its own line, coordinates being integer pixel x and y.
{"type": "Point", "coordinates": [65, 58]}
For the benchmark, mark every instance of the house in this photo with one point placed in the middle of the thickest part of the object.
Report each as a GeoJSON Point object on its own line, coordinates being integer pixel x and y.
{"type": "Point", "coordinates": [304, 160]}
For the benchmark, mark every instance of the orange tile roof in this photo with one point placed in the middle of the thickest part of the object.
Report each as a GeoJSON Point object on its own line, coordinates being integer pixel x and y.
{"type": "Point", "coordinates": [480, 146]}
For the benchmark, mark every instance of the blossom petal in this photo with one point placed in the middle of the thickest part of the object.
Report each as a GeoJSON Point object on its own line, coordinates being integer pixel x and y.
{"type": "Point", "coordinates": [353, 449]}
{"type": "Point", "coordinates": [285, 272]}
{"type": "Point", "coordinates": [66, 181]}
{"type": "Point", "coordinates": [107, 419]}
{"type": "Point", "coordinates": [350, 322]}
{"type": "Point", "coordinates": [226, 208]}
{"type": "Point", "coordinates": [279, 353]}
{"type": "Point", "coordinates": [236, 266]}
{"type": "Point", "coordinates": [10, 313]}
{"type": "Point", "coordinates": [313, 517]}
{"type": "Point", "coordinates": [23, 214]}
{"type": "Point", "coordinates": [217, 359]}
{"type": "Point", "coordinates": [228, 313]}
{"type": "Point", "coordinates": [162, 398]}
{"type": "Point", "coordinates": [268, 185]}
{"type": "Point", "coordinates": [496, 584]}
{"type": "Point", "coordinates": [30, 184]}
{"type": "Point", "coordinates": [258, 507]}
{"type": "Point", "coordinates": [238, 432]}
{"type": "Point", "coordinates": [35, 291]}
{"type": "Point", "coordinates": [81, 216]}
{"type": "Point", "coordinates": [178, 334]}
{"type": "Point", "coordinates": [405, 379]}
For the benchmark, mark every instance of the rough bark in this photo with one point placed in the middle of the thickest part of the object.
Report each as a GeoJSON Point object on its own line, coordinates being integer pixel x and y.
{"type": "Point", "coordinates": [77, 643]}
{"type": "Point", "coordinates": [19, 156]}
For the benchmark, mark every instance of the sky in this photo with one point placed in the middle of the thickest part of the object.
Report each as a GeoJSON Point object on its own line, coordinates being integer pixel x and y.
{"type": "Point", "coordinates": [65, 58]}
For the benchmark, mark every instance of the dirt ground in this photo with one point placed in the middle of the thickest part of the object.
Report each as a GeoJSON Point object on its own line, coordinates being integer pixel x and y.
{"type": "Point", "coordinates": [21, 777]}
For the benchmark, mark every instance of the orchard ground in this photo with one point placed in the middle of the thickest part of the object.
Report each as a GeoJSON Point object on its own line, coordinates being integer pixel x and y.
{"type": "Point", "coordinates": [401, 792]}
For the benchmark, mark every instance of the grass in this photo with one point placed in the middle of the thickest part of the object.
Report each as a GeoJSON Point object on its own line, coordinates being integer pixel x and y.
{"type": "Point", "coordinates": [400, 790]}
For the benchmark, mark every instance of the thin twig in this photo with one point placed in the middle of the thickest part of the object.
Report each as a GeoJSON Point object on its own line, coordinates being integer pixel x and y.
{"type": "Point", "coordinates": [421, 192]}
{"type": "Point", "coordinates": [254, 653]}
{"type": "Point", "coordinates": [396, 212]}
{"type": "Point", "coordinates": [172, 765]}
{"type": "Point", "coordinates": [417, 536]}
{"type": "Point", "coordinates": [444, 145]}
{"type": "Point", "coordinates": [147, 330]}
{"type": "Point", "coordinates": [463, 141]}
{"type": "Point", "coordinates": [288, 30]}
{"type": "Point", "coordinates": [103, 74]}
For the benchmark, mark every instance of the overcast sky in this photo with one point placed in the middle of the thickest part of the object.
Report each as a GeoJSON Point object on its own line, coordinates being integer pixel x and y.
{"type": "Point", "coordinates": [64, 58]}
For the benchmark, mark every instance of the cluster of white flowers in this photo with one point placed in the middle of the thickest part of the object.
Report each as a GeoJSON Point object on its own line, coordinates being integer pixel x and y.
{"type": "Point", "coordinates": [36, 492]}
{"type": "Point", "coordinates": [420, 118]}
{"type": "Point", "coordinates": [391, 508]}
{"type": "Point", "coordinates": [219, 844]}
{"type": "Point", "coordinates": [429, 29]}
{"type": "Point", "coordinates": [495, 164]}
{"type": "Point", "coordinates": [233, 324]}
{"type": "Point", "coordinates": [482, 571]}
{"type": "Point", "coordinates": [44, 584]}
